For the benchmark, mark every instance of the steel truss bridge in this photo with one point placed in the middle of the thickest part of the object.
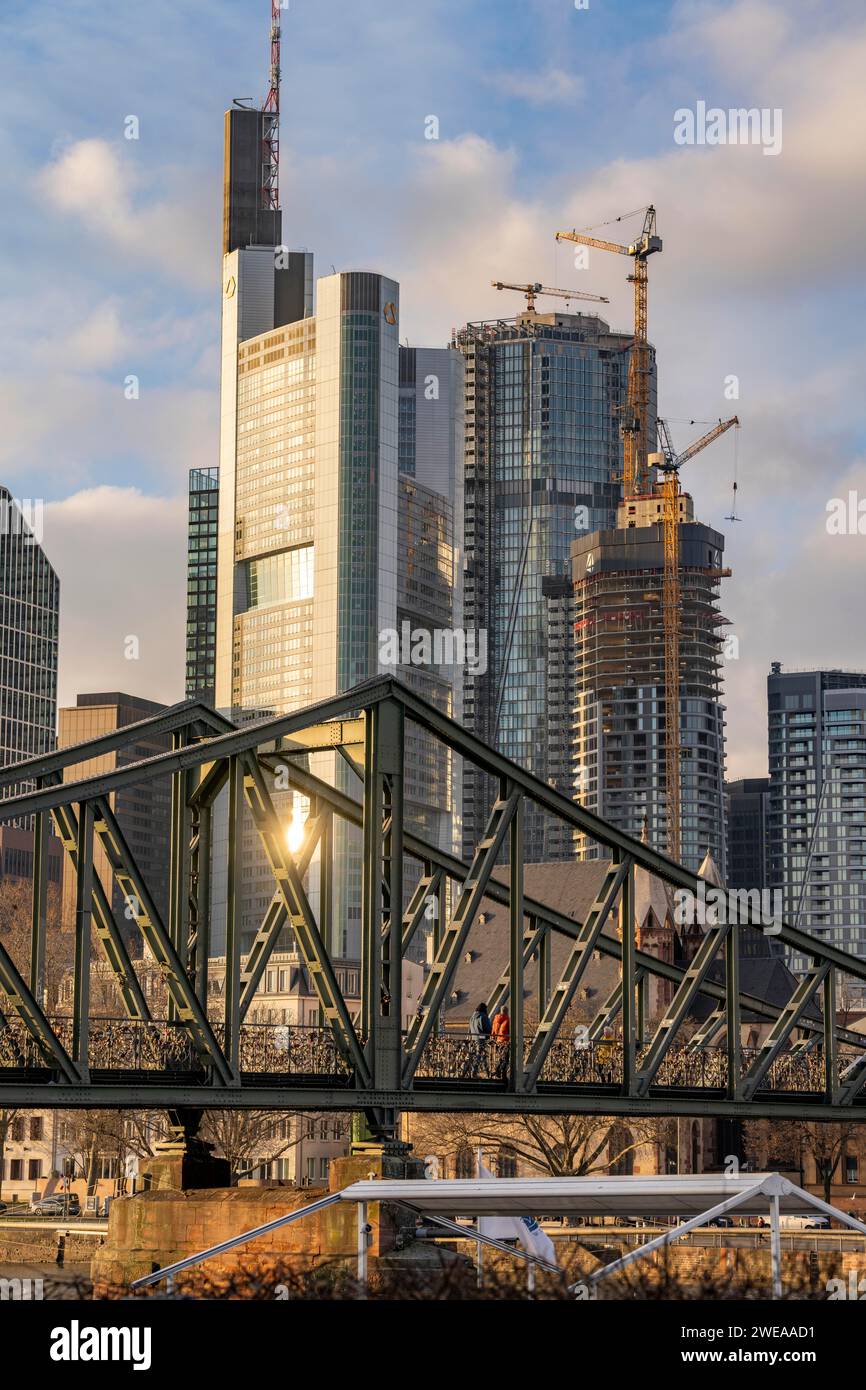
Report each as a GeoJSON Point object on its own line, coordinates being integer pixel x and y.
{"type": "Point", "coordinates": [808, 1067]}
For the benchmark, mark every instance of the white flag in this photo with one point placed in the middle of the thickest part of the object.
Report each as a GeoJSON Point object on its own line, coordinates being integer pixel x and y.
{"type": "Point", "coordinates": [523, 1228]}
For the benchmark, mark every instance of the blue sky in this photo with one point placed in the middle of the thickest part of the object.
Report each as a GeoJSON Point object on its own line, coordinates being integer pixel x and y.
{"type": "Point", "coordinates": [548, 117]}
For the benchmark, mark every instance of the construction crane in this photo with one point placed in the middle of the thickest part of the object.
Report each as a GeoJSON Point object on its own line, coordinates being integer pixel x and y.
{"type": "Point", "coordinates": [533, 291]}
{"type": "Point", "coordinates": [669, 464]}
{"type": "Point", "coordinates": [635, 442]}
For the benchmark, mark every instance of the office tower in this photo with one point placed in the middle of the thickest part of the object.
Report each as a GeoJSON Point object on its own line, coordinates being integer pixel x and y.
{"type": "Point", "coordinates": [326, 551]}
{"type": "Point", "coordinates": [142, 809]}
{"type": "Point", "coordinates": [543, 453]}
{"type": "Point", "coordinates": [748, 802]}
{"type": "Point", "coordinates": [619, 714]}
{"type": "Point", "coordinates": [202, 527]}
{"type": "Point", "coordinates": [816, 832]}
{"type": "Point", "coordinates": [29, 632]}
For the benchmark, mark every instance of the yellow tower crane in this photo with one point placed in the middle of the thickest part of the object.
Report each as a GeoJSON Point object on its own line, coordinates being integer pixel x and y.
{"type": "Point", "coordinates": [635, 441]}
{"type": "Point", "coordinates": [669, 464]}
{"type": "Point", "coordinates": [533, 291]}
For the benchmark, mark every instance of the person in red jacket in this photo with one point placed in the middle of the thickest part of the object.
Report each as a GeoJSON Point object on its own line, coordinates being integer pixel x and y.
{"type": "Point", "coordinates": [500, 1035]}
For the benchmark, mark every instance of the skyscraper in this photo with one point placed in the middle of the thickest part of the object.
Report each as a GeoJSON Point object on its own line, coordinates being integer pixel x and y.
{"type": "Point", "coordinates": [816, 833]}
{"type": "Point", "coordinates": [202, 532]}
{"type": "Point", "coordinates": [29, 634]}
{"type": "Point", "coordinates": [325, 547]}
{"type": "Point", "coordinates": [543, 452]}
{"type": "Point", "coordinates": [620, 712]}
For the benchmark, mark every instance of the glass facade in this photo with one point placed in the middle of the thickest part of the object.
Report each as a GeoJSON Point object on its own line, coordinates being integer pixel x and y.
{"type": "Point", "coordinates": [203, 517]}
{"type": "Point", "coordinates": [816, 831]}
{"type": "Point", "coordinates": [543, 400]}
{"type": "Point", "coordinates": [29, 631]}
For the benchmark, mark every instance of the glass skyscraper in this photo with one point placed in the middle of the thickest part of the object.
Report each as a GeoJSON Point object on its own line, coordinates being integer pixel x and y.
{"type": "Point", "coordinates": [816, 824]}
{"type": "Point", "coordinates": [29, 635]}
{"type": "Point", "coordinates": [203, 516]}
{"type": "Point", "coordinates": [544, 395]}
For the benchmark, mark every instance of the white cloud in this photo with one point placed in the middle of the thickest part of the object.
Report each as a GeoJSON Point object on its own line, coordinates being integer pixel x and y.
{"type": "Point", "coordinates": [100, 185]}
{"type": "Point", "coordinates": [552, 87]}
{"type": "Point", "coordinates": [121, 560]}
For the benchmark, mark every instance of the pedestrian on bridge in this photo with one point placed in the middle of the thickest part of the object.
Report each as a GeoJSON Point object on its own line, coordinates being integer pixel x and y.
{"type": "Point", "coordinates": [480, 1029]}
{"type": "Point", "coordinates": [501, 1034]}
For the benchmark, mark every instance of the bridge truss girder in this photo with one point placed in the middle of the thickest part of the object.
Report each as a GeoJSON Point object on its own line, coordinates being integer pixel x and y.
{"type": "Point", "coordinates": [210, 756]}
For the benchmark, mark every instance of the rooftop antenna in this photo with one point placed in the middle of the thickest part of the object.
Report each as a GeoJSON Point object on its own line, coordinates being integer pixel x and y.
{"type": "Point", "coordinates": [271, 122]}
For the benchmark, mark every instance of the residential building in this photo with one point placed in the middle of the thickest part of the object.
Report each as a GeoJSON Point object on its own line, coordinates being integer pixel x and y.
{"type": "Point", "coordinates": [816, 824]}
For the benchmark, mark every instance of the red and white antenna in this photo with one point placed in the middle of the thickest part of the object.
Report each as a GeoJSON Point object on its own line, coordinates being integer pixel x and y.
{"type": "Point", "coordinates": [271, 124]}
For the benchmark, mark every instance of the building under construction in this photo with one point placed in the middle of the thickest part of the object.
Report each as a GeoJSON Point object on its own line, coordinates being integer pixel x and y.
{"type": "Point", "coordinates": [620, 717]}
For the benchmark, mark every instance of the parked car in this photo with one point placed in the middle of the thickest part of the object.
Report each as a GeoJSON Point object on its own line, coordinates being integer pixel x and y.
{"type": "Point", "coordinates": [821, 1223]}
{"type": "Point", "coordinates": [721, 1221]}
{"type": "Point", "coordinates": [59, 1204]}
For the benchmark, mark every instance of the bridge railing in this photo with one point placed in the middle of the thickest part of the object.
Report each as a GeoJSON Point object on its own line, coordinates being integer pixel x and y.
{"type": "Point", "coordinates": [160, 1046]}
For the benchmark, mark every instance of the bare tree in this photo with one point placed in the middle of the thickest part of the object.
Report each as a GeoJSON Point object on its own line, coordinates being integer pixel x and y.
{"type": "Point", "coordinates": [15, 927]}
{"type": "Point", "coordinates": [561, 1145]}
{"type": "Point", "coordinates": [250, 1137]}
{"type": "Point", "coordinates": [786, 1143]}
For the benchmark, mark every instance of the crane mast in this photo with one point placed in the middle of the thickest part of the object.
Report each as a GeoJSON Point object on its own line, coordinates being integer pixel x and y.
{"type": "Point", "coordinates": [635, 424]}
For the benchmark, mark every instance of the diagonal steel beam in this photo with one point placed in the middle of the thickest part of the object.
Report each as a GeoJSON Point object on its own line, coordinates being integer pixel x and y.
{"type": "Point", "coordinates": [417, 911]}
{"type": "Point", "coordinates": [708, 1030]}
{"type": "Point", "coordinates": [22, 1003]}
{"type": "Point", "coordinates": [781, 1030]}
{"type": "Point", "coordinates": [573, 971]}
{"type": "Point", "coordinates": [533, 936]}
{"type": "Point", "coordinates": [108, 934]}
{"type": "Point", "coordinates": [303, 923]}
{"type": "Point", "coordinates": [680, 1004]}
{"type": "Point", "coordinates": [140, 904]}
{"type": "Point", "coordinates": [275, 920]}
{"type": "Point", "coordinates": [455, 933]}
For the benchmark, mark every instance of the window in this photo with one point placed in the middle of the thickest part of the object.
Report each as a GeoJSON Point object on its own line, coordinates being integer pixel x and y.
{"type": "Point", "coordinates": [36, 1127]}
{"type": "Point", "coordinates": [311, 1170]}
{"type": "Point", "coordinates": [324, 1165]}
{"type": "Point", "coordinates": [34, 1169]}
{"type": "Point", "coordinates": [506, 1164]}
{"type": "Point", "coordinates": [852, 1168]}
{"type": "Point", "coordinates": [16, 1131]}
{"type": "Point", "coordinates": [16, 1170]}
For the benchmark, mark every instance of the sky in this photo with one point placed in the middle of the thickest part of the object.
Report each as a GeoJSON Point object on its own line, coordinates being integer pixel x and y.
{"type": "Point", "coordinates": [549, 116]}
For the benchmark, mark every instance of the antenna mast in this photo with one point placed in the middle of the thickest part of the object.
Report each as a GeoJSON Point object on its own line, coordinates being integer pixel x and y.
{"type": "Point", "coordinates": [271, 121]}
